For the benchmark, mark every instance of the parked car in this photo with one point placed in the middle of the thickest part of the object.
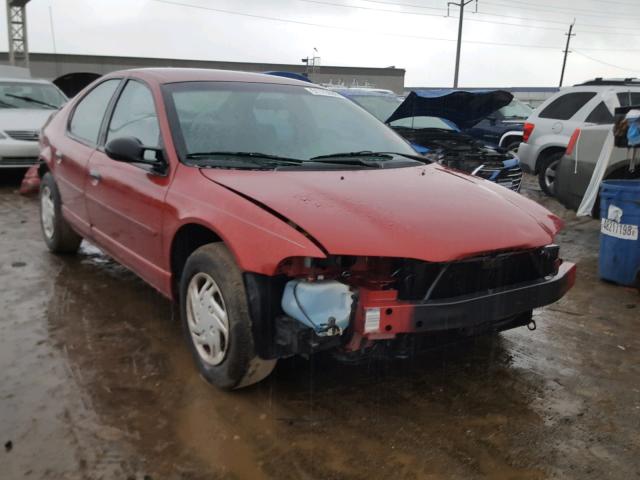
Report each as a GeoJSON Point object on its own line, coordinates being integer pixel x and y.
{"type": "Point", "coordinates": [548, 129]}
{"type": "Point", "coordinates": [504, 127]}
{"type": "Point", "coordinates": [432, 120]}
{"type": "Point", "coordinates": [285, 220]}
{"type": "Point", "coordinates": [25, 105]}
{"type": "Point", "coordinates": [576, 167]}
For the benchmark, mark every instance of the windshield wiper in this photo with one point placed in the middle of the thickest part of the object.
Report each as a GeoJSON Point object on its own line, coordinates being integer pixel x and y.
{"type": "Point", "coordinates": [244, 155]}
{"type": "Point", "coordinates": [31, 100]}
{"type": "Point", "coordinates": [7, 104]}
{"type": "Point", "coordinates": [349, 155]}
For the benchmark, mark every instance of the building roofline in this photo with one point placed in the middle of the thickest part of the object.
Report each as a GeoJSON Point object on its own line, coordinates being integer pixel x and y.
{"type": "Point", "coordinates": [90, 58]}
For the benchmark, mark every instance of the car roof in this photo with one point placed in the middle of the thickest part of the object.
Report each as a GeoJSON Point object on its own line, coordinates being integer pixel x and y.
{"type": "Point", "coordinates": [176, 75]}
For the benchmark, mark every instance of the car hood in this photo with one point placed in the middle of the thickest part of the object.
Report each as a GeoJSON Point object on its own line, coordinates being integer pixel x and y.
{"type": "Point", "coordinates": [428, 213]}
{"type": "Point", "coordinates": [23, 118]}
{"type": "Point", "coordinates": [464, 108]}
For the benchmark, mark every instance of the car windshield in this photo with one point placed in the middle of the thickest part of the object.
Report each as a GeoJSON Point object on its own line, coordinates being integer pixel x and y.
{"type": "Point", "coordinates": [380, 106]}
{"type": "Point", "coordinates": [424, 122]}
{"type": "Point", "coordinates": [516, 109]}
{"type": "Point", "coordinates": [286, 121]}
{"type": "Point", "coordinates": [30, 95]}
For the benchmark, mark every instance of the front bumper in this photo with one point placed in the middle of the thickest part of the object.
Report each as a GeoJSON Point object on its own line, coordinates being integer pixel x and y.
{"type": "Point", "coordinates": [18, 153]}
{"type": "Point", "coordinates": [381, 315]}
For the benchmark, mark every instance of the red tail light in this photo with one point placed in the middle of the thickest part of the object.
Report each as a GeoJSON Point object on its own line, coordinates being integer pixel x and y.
{"type": "Point", "coordinates": [572, 141]}
{"type": "Point", "coordinates": [528, 129]}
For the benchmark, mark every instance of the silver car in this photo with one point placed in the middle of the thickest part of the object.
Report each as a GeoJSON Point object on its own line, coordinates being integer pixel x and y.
{"type": "Point", "coordinates": [25, 105]}
{"type": "Point", "coordinates": [548, 129]}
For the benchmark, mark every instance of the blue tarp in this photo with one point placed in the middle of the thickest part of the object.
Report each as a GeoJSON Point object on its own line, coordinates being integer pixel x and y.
{"type": "Point", "coordinates": [462, 107]}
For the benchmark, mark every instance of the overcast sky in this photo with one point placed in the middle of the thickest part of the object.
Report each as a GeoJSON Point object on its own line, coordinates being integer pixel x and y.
{"type": "Point", "coordinates": [507, 43]}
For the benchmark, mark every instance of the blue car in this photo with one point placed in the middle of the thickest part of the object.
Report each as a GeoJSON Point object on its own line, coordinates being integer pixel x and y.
{"type": "Point", "coordinates": [435, 123]}
{"type": "Point", "coordinates": [503, 128]}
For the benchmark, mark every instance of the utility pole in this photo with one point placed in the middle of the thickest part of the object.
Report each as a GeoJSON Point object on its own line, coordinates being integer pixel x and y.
{"type": "Point", "coordinates": [17, 30]}
{"type": "Point", "coordinates": [461, 5]}
{"type": "Point", "coordinates": [566, 50]}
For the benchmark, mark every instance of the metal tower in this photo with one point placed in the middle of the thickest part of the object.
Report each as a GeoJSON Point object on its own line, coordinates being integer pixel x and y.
{"type": "Point", "coordinates": [17, 29]}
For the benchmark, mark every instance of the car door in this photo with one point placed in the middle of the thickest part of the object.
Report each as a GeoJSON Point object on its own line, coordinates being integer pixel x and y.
{"type": "Point", "coordinates": [71, 152]}
{"type": "Point", "coordinates": [125, 200]}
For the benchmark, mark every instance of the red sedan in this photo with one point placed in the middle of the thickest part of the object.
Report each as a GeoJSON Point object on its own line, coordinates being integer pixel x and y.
{"type": "Point", "coordinates": [286, 220]}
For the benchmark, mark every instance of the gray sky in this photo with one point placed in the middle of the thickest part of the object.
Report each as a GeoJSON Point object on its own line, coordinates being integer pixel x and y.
{"type": "Point", "coordinates": [358, 33]}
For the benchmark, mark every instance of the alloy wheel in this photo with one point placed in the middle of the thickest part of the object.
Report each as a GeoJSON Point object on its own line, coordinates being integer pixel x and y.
{"type": "Point", "coordinates": [550, 174]}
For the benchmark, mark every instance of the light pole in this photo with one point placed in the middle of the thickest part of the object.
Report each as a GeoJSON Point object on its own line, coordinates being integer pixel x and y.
{"type": "Point", "coordinates": [461, 5]}
{"type": "Point", "coordinates": [566, 50]}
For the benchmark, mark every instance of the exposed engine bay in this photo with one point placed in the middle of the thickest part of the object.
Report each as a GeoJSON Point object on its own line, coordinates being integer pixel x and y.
{"type": "Point", "coordinates": [454, 149]}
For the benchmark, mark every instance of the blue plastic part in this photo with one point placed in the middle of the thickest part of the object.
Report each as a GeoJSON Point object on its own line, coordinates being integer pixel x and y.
{"type": "Point", "coordinates": [620, 257]}
{"type": "Point", "coordinates": [325, 306]}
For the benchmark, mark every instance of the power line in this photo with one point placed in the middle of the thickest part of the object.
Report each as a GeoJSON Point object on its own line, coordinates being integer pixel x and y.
{"type": "Point", "coordinates": [403, 12]}
{"type": "Point", "coordinates": [608, 2]}
{"type": "Point", "coordinates": [360, 30]}
{"type": "Point", "coordinates": [411, 5]}
{"type": "Point", "coordinates": [375, 9]}
{"type": "Point", "coordinates": [604, 63]}
{"type": "Point", "coordinates": [337, 27]}
{"type": "Point", "coordinates": [568, 11]}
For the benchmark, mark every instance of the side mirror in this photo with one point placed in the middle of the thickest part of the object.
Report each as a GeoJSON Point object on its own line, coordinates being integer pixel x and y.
{"type": "Point", "coordinates": [131, 150]}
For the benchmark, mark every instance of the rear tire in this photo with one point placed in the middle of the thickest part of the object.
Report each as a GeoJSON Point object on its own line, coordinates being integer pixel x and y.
{"type": "Point", "coordinates": [58, 235]}
{"type": "Point", "coordinates": [216, 322]}
{"type": "Point", "coordinates": [547, 172]}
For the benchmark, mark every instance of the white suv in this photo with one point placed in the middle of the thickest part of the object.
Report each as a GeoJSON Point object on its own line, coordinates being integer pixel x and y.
{"type": "Point", "coordinates": [549, 127]}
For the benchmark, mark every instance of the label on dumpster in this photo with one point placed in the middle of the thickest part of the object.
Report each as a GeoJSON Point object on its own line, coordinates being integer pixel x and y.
{"type": "Point", "coordinates": [614, 213]}
{"type": "Point", "coordinates": [619, 230]}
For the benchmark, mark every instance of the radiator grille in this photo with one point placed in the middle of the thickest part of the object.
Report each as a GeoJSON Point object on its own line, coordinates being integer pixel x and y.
{"type": "Point", "coordinates": [25, 135]}
{"type": "Point", "coordinates": [18, 161]}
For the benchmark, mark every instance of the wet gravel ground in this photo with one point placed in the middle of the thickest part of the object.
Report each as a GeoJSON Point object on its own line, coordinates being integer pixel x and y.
{"type": "Point", "coordinates": [95, 383]}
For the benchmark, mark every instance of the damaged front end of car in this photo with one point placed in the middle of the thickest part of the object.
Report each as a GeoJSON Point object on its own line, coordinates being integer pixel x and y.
{"type": "Point", "coordinates": [352, 304]}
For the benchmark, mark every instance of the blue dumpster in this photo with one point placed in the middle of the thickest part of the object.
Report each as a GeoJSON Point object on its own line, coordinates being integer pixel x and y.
{"type": "Point", "coordinates": [620, 220]}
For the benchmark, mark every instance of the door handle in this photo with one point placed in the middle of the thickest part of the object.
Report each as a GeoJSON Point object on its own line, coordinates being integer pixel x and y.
{"type": "Point", "coordinates": [95, 176]}
{"type": "Point", "coordinates": [58, 157]}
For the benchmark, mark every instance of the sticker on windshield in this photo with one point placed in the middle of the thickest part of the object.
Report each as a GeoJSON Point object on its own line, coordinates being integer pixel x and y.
{"type": "Point", "coordinates": [322, 91]}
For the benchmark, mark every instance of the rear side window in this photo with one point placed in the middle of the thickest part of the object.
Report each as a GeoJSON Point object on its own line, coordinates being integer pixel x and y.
{"type": "Point", "coordinates": [88, 114]}
{"type": "Point", "coordinates": [566, 106]}
{"type": "Point", "coordinates": [629, 98]}
{"type": "Point", "coordinates": [600, 115]}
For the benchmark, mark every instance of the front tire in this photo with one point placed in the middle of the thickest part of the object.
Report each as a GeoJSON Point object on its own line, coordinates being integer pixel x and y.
{"type": "Point", "coordinates": [513, 148]}
{"type": "Point", "coordinates": [547, 172]}
{"type": "Point", "coordinates": [57, 233]}
{"type": "Point", "coordinates": [216, 322]}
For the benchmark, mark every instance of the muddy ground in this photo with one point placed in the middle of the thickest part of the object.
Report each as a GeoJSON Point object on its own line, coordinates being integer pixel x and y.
{"type": "Point", "coordinates": [96, 383]}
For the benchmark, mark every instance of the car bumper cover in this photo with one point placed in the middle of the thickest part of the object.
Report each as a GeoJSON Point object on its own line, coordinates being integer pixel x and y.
{"type": "Point", "coordinates": [381, 315]}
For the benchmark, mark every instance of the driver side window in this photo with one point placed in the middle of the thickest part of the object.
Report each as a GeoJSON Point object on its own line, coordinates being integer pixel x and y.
{"type": "Point", "coordinates": [135, 116]}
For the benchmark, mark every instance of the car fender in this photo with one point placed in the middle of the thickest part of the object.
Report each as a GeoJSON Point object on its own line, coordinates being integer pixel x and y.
{"type": "Point", "coordinates": [515, 134]}
{"type": "Point", "coordinates": [549, 141]}
{"type": "Point", "coordinates": [258, 239]}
